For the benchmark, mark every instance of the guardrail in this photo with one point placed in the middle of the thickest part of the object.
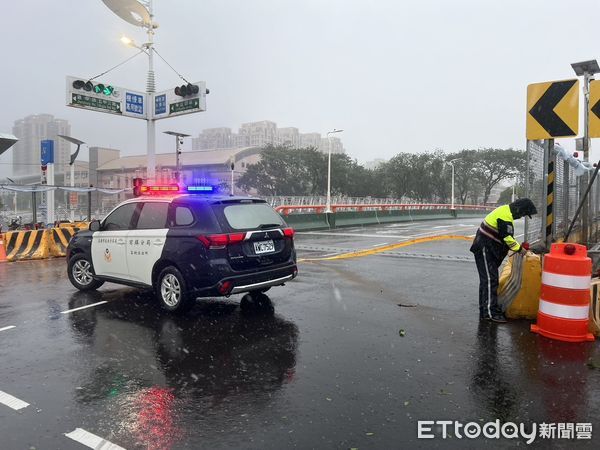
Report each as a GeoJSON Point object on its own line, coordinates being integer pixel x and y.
{"type": "Point", "coordinates": [320, 209]}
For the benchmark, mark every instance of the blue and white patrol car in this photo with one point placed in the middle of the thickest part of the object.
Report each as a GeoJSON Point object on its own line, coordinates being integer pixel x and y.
{"type": "Point", "coordinates": [184, 245]}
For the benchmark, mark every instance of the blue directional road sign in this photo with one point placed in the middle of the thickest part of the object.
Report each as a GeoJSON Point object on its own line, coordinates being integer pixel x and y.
{"type": "Point", "coordinates": [160, 104]}
{"type": "Point", "coordinates": [47, 153]}
{"type": "Point", "coordinates": [134, 103]}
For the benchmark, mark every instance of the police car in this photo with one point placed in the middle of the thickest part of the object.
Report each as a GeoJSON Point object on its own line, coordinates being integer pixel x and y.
{"type": "Point", "coordinates": [184, 245]}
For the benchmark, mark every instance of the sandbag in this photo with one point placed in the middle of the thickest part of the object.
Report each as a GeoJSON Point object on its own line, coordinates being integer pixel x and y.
{"type": "Point", "coordinates": [525, 303]}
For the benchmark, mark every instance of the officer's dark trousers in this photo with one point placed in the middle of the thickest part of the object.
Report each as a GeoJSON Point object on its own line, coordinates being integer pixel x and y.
{"type": "Point", "coordinates": [487, 266]}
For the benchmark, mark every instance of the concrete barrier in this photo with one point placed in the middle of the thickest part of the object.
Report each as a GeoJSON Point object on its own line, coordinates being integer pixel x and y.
{"type": "Point", "coordinates": [21, 245]}
{"type": "Point", "coordinates": [59, 238]}
{"type": "Point", "coordinates": [321, 221]}
{"type": "Point", "coordinates": [306, 222]}
{"type": "Point", "coordinates": [37, 244]}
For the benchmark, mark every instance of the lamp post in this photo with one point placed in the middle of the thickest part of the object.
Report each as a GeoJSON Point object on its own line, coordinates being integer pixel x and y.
{"type": "Point", "coordinates": [451, 162]}
{"type": "Point", "coordinates": [78, 143]}
{"type": "Point", "coordinates": [140, 13]}
{"type": "Point", "coordinates": [328, 204]}
{"type": "Point", "coordinates": [586, 69]}
{"type": "Point", "coordinates": [178, 143]}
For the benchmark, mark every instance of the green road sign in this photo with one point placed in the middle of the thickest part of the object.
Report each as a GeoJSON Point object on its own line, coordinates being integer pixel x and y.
{"type": "Point", "coordinates": [97, 103]}
{"type": "Point", "coordinates": [186, 105]}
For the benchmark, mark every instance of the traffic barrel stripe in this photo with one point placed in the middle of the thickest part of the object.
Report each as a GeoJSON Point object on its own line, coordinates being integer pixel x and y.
{"type": "Point", "coordinates": [564, 311]}
{"type": "Point", "coordinates": [567, 281]}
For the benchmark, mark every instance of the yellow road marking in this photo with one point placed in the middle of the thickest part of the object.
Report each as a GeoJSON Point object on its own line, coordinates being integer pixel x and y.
{"type": "Point", "coordinates": [373, 251]}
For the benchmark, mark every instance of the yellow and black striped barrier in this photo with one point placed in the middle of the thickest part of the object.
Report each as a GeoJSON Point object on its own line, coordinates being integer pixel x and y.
{"type": "Point", "coordinates": [31, 244]}
{"type": "Point", "coordinates": [60, 239]}
{"type": "Point", "coordinates": [37, 244]}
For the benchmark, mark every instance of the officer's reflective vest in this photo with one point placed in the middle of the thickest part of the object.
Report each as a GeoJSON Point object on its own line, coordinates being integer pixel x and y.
{"type": "Point", "coordinates": [498, 226]}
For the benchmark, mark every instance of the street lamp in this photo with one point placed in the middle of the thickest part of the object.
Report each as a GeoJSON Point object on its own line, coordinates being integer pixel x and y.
{"type": "Point", "coordinates": [586, 69]}
{"type": "Point", "coordinates": [328, 204]}
{"type": "Point", "coordinates": [451, 162]}
{"type": "Point", "coordinates": [178, 143]}
{"type": "Point", "coordinates": [141, 14]}
{"type": "Point", "coordinates": [78, 143]}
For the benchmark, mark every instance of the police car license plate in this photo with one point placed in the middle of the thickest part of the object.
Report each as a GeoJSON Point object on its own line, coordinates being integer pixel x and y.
{"type": "Point", "coordinates": [264, 247]}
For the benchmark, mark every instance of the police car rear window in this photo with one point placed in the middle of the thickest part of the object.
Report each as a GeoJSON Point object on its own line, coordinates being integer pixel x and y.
{"type": "Point", "coordinates": [251, 216]}
{"type": "Point", "coordinates": [183, 216]}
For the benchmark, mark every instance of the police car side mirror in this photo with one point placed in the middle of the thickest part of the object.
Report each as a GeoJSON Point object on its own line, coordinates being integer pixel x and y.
{"type": "Point", "coordinates": [95, 225]}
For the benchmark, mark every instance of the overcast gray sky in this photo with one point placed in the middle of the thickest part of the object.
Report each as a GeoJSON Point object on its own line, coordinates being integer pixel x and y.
{"type": "Point", "coordinates": [396, 75]}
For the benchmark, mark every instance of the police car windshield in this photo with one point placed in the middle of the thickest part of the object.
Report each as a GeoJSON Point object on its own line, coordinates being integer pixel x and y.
{"type": "Point", "coordinates": [251, 216]}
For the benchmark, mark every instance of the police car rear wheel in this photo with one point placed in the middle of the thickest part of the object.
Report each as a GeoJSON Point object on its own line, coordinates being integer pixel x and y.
{"type": "Point", "coordinates": [171, 291]}
{"type": "Point", "coordinates": [81, 274]}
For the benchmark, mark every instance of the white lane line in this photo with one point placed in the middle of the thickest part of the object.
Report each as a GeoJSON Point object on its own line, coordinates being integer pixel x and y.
{"type": "Point", "coordinates": [83, 307]}
{"type": "Point", "coordinates": [442, 226]}
{"type": "Point", "coordinates": [12, 402]}
{"type": "Point", "coordinates": [91, 440]}
{"type": "Point", "coordinates": [332, 254]}
{"type": "Point", "coordinates": [7, 328]}
{"type": "Point", "coordinates": [380, 245]}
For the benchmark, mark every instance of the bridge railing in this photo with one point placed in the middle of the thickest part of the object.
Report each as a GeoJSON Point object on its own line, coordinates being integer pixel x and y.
{"type": "Point", "coordinates": [319, 209]}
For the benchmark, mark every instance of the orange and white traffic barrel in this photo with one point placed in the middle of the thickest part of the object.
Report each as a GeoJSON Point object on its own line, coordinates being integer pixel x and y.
{"type": "Point", "coordinates": [565, 296]}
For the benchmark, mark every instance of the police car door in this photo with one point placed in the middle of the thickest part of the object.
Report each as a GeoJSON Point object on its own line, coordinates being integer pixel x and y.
{"type": "Point", "coordinates": [147, 239]}
{"type": "Point", "coordinates": [109, 245]}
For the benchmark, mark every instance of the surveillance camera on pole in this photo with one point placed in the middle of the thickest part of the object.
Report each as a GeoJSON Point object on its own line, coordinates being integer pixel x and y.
{"type": "Point", "coordinates": [178, 143]}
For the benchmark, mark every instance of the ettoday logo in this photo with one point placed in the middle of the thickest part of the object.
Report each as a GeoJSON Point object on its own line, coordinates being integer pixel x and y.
{"type": "Point", "coordinates": [430, 429]}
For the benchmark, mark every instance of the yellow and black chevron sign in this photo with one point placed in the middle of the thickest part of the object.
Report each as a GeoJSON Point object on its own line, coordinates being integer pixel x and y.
{"type": "Point", "coordinates": [552, 109]}
{"type": "Point", "coordinates": [594, 111]}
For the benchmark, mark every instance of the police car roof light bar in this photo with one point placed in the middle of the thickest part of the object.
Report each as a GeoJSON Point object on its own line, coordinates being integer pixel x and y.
{"type": "Point", "coordinates": [159, 189]}
{"type": "Point", "coordinates": [201, 189]}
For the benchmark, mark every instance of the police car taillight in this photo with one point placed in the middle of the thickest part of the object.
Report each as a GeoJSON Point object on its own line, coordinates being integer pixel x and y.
{"type": "Point", "coordinates": [216, 241]}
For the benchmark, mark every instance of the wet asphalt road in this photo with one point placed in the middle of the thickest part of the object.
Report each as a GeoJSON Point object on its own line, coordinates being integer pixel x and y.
{"type": "Point", "coordinates": [356, 352]}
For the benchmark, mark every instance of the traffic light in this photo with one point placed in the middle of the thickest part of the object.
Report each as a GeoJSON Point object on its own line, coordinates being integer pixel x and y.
{"type": "Point", "coordinates": [99, 88]}
{"type": "Point", "coordinates": [137, 187]}
{"type": "Point", "coordinates": [186, 90]}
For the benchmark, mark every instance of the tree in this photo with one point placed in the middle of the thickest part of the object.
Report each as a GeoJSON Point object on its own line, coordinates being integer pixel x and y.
{"type": "Point", "coordinates": [506, 194]}
{"type": "Point", "coordinates": [495, 165]}
{"type": "Point", "coordinates": [282, 170]}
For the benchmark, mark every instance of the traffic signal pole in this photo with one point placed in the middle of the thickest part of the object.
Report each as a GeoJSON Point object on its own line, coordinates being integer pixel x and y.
{"type": "Point", "coordinates": [150, 90]}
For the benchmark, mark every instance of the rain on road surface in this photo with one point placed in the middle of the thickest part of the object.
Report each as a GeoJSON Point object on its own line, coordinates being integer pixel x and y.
{"type": "Point", "coordinates": [356, 352]}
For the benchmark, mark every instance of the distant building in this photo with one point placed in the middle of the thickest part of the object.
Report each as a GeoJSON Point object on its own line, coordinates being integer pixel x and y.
{"type": "Point", "coordinates": [259, 134]}
{"type": "Point", "coordinates": [310, 140]}
{"type": "Point", "coordinates": [212, 138]}
{"type": "Point", "coordinates": [289, 136]}
{"type": "Point", "coordinates": [336, 145]}
{"type": "Point", "coordinates": [109, 170]}
{"type": "Point", "coordinates": [31, 131]}
{"type": "Point", "coordinates": [374, 164]}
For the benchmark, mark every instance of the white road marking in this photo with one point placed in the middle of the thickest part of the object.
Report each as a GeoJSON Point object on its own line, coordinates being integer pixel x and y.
{"type": "Point", "coordinates": [331, 254]}
{"type": "Point", "coordinates": [7, 328]}
{"type": "Point", "coordinates": [91, 440]}
{"type": "Point", "coordinates": [12, 402]}
{"type": "Point", "coordinates": [380, 245]}
{"type": "Point", "coordinates": [83, 307]}
{"type": "Point", "coordinates": [442, 226]}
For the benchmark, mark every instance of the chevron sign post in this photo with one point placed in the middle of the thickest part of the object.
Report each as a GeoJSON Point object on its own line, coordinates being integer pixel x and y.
{"type": "Point", "coordinates": [552, 109]}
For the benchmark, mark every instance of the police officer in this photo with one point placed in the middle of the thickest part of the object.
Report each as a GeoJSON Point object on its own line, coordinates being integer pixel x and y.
{"type": "Point", "coordinates": [494, 238]}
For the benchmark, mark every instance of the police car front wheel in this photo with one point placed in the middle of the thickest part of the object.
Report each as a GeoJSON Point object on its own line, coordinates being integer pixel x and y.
{"type": "Point", "coordinates": [171, 291]}
{"type": "Point", "coordinates": [81, 274]}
